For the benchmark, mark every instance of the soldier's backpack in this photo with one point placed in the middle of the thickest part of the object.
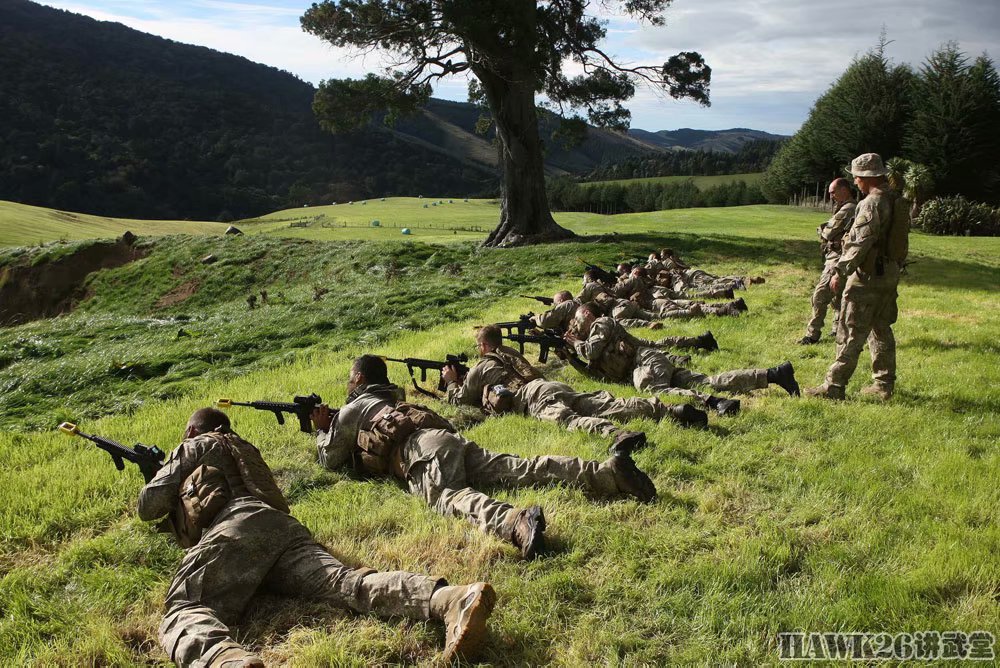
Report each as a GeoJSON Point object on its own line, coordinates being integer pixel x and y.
{"type": "Point", "coordinates": [380, 446]}
{"type": "Point", "coordinates": [230, 464]}
{"type": "Point", "coordinates": [499, 399]}
{"type": "Point", "coordinates": [896, 240]}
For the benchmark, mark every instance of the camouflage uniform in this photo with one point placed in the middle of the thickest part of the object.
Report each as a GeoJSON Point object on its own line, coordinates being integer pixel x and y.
{"type": "Point", "coordinates": [591, 412]}
{"type": "Point", "coordinates": [831, 234]}
{"type": "Point", "coordinates": [252, 545]}
{"type": "Point", "coordinates": [444, 468]}
{"type": "Point", "coordinates": [869, 302]}
{"type": "Point", "coordinates": [618, 356]}
{"type": "Point", "coordinates": [627, 312]}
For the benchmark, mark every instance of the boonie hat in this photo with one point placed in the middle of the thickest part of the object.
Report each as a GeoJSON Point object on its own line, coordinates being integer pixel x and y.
{"type": "Point", "coordinates": [868, 164]}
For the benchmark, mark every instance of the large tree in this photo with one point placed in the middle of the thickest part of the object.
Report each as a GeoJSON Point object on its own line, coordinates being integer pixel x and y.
{"type": "Point", "coordinates": [865, 110]}
{"type": "Point", "coordinates": [954, 126]}
{"type": "Point", "coordinates": [516, 49]}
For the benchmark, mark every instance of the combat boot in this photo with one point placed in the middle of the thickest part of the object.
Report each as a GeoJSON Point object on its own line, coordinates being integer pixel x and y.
{"type": "Point", "coordinates": [236, 657]}
{"type": "Point", "coordinates": [696, 310]}
{"type": "Point", "coordinates": [825, 391]}
{"type": "Point", "coordinates": [724, 407]}
{"type": "Point", "coordinates": [784, 375]}
{"type": "Point", "coordinates": [464, 610]}
{"type": "Point", "coordinates": [740, 305]}
{"type": "Point", "coordinates": [631, 480]}
{"type": "Point", "coordinates": [882, 392]}
{"type": "Point", "coordinates": [528, 531]}
{"type": "Point", "coordinates": [757, 280]}
{"type": "Point", "coordinates": [687, 415]}
{"type": "Point", "coordinates": [808, 341]}
{"type": "Point", "coordinates": [706, 342]}
{"type": "Point", "coordinates": [655, 325]}
{"type": "Point", "coordinates": [627, 442]}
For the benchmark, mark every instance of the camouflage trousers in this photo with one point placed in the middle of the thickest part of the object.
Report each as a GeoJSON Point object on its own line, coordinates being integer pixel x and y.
{"type": "Point", "coordinates": [823, 296]}
{"type": "Point", "coordinates": [654, 371]}
{"type": "Point", "coordinates": [252, 547]}
{"type": "Point", "coordinates": [446, 469]}
{"type": "Point", "coordinates": [868, 311]}
{"type": "Point", "coordinates": [670, 308]}
{"type": "Point", "coordinates": [591, 412]}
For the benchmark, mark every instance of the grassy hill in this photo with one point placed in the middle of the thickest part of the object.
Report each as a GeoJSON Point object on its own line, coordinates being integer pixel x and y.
{"type": "Point", "coordinates": [794, 515]}
{"type": "Point", "coordinates": [701, 181]}
{"type": "Point", "coordinates": [25, 225]}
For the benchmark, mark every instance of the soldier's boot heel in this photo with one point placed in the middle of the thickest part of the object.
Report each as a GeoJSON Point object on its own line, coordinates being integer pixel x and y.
{"type": "Point", "coordinates": [528, 534]}
{"type": "Point", "coordinates": [627, 442]}
{"type": "Point", "coordinates": [783, 375]}
{"type": "Point", "coordinates": [236, 657]}
{"type": "Point", "coordinates": [631, 480]}
{"type": "Point", "coordinates": [881, 392]}
{"type": "Point", "coordinates": [724, 407]}
{"type": "Point", "coordinates": [464, 611]}
{"type": "Point", "coordinates": [687, 415]}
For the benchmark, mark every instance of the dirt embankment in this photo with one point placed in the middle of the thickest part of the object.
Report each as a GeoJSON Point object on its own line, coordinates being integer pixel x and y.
{"type": "Point", "coordinates": [29, 292]}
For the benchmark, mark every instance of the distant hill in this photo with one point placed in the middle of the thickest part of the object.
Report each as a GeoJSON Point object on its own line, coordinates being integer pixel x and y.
{"type": "Point", "coordinates": [100, 118]}
{"type": "Point", "coordinates": [726, 141]}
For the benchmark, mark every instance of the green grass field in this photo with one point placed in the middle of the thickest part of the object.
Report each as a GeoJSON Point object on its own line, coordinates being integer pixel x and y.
{"type": "Point", "coordinates": [25, 225]}
{"type": "Point", "coordinates": [795, 515]}
{"type": "Point", "coordinates": [702, 182]}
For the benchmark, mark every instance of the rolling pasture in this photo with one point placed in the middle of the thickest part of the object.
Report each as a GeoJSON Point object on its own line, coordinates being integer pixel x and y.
{"type": "Point", "coordinates": [794, 515]}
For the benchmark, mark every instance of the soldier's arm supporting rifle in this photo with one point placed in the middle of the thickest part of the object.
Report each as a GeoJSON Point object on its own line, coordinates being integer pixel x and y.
{"type": "Point", "coordinates": [412, 363]}
{"type": "Point", "coordinates": [547, 301]}
{"type": "Point", "coordinates": [148, 458]}
{"type": "Point", "coordinates": [300, 406]}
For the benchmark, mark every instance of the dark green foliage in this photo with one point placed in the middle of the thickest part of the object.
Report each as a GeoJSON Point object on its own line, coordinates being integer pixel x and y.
{"type": "Point", "coordinates": [955, 127]}
{"type": "Point", "coordinates": [957, 215]}
{"type": "Point", "coordinates": [613, 198]}
{"type": "Point", "coordinates": [865, 110]}
{"type": "Point", "coordinates": [753, 156]}
{"type": "Point", "coordinates": [101, 118]}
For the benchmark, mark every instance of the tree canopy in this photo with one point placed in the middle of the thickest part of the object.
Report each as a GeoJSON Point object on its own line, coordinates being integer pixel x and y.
{"type": "Point", "coordinates": [515, 49]}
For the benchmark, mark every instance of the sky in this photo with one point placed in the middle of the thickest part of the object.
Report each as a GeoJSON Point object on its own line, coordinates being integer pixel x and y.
{"type": "Point", "coordinates": [770, 59]}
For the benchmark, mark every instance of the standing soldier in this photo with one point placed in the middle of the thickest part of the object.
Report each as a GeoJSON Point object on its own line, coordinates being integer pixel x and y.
{"type": "Point", "coordinates": [831, 234]}
{"type": "Point", "coordinates": [873, 253]}
{"type": "Point", "coordinates": [224, 506]}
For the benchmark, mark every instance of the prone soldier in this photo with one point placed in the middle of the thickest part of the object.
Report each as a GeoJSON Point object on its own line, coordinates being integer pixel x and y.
{"type": "Point", "coordinates": [505, 382]}
{"type": "Point", "coordinates": [614, 354]}
{"type": "Point", "coordinates": [384, 436]}
{"type": "Point", "coordinates": [223, 504]}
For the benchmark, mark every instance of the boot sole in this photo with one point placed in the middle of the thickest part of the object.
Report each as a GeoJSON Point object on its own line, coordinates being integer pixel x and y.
{"type": "Point", "coordinates": [692, 417]}
{"type": "Point", "coordinates": [536, 540]}
{"type": "Point", "coordinates": [475, 612]}
{"type": "Point", "coordinates": [637, 483]}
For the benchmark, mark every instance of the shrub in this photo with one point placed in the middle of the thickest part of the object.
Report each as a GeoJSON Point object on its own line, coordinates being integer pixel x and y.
{"type": "Point", "coordinates": [959, 216]}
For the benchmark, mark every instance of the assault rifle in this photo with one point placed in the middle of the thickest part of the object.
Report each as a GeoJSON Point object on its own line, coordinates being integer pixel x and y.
{"type": "Point", "coordinates": [522, 325]}
{"type": "Point", "coordinates": [148, 458]}
{"type": "Point", "coordinates": [602, 275]}
{"type": "Point", "coordinates": [547, 339]}
{"type": "Point", "coordinates": [547, 301]}
{"type": "Point", "coordinates": [412, 363]}
{"type": "Point", "coordinates": [300, 407]}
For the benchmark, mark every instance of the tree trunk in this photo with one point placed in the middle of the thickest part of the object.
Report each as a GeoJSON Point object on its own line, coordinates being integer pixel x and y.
{"type": "Point", "coordinates": [524, 207]}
